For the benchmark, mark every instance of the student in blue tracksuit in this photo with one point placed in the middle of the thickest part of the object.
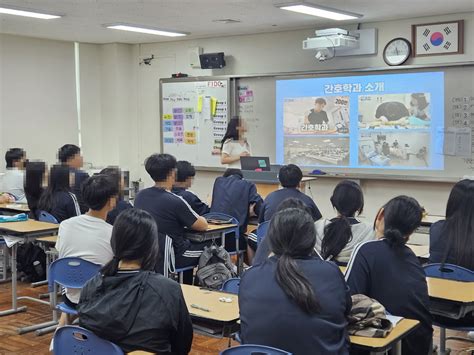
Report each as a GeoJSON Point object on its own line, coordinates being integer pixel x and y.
{"type": "Point", "coordinates": [295, 301]}
{"type": "Point", "coordinates": [388, 271]}
{"type": "Point", "coordinates": [237, 197]}
{"type": "Point", "coordinates": [184, 178]}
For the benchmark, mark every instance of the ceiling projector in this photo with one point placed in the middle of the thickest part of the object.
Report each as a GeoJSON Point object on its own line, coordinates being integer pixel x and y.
{"type": "Point", "coordinates": [329, 40]}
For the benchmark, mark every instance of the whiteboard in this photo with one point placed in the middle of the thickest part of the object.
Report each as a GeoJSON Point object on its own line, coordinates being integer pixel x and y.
{"type": "Point", "coordinates": [194, 116]}
{"type": "Point", "coordinates": [258, 108]}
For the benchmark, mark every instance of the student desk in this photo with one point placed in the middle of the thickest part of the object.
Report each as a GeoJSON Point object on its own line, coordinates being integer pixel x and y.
{"type": "Point", "coordinates": [374, 345]}
{"type": "Point", "coordinates": [421, 251]}
{"type": "Point", "coordinates": [213, 232]}
{"type": "Point", "coordinates": [27, 230]}
{"type": "Point", "coordinates": [264, 188]}
{"type": "Point", "coordinates": [14, 208]}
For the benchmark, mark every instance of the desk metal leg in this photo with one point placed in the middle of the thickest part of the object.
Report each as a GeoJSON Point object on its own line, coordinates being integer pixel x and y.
{"type": "Point", "coordinates": [15, 308]}
{"type": "Point", "coordinates": [397, 349]}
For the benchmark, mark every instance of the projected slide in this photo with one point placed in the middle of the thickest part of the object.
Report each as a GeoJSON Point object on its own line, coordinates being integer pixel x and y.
{"type": "Point", "coordinates": [375, 121]}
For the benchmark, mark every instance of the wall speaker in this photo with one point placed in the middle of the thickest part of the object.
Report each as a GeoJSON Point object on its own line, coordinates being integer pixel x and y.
{"type": "Point", "coordinates": [212, 60]}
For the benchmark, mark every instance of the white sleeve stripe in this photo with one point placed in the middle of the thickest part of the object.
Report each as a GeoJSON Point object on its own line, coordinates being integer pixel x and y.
{"type": "Point", "coordinates": [353, 256]}
{"type": "Point", "coordinates": [76, 204]}
{"type": "Point", "coordinates": [187, 204]}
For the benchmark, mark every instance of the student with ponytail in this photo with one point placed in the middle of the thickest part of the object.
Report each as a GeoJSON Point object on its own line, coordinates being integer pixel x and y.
{"type": "Point", "coordinates": [128, 303]}
{"type": "Point", "coordinates": [293, 300]}
{"type": "Point", "coordinates": [388, 271]}
{"type": "Point", "coordinates": [337, 238]}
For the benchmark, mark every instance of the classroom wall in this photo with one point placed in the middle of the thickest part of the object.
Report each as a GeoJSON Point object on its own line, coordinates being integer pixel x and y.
{"type": "Point", "coordinates": [38, 109]}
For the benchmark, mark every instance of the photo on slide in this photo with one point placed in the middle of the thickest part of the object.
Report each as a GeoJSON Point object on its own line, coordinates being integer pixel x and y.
{"type": "Point", "coordinates": [317, 151]}
{"type": "Point", "coordinates": [316, 115]}
{"type": "Point", "coordinates": [395, 149]}
{"type": "Point", "coordinates": [395, 111]}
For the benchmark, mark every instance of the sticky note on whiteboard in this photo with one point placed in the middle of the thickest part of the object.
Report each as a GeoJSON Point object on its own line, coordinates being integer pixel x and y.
{"type": "Point", "coordinates": [190, 134]}
{"type": "Point", "coordinates": [190, 141]}
{"type": "Point", "coordinates": [168, 140]}
{"type": "Point", "coordinates": [167, 116]}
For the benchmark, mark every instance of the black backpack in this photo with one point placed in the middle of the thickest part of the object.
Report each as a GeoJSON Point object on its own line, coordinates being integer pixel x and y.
{"type": "Point", "coordinates": [215, 267]}
{"type": "Point", "coordinates": [31, 260]}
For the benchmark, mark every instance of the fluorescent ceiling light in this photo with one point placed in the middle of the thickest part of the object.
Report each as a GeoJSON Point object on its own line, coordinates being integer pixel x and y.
{"type": "Point", "coordinates": [26, 13]}
{"type": "Point", "coordinates": [147, 30]}
{"type": "Point", "coordinates": [319, 11]}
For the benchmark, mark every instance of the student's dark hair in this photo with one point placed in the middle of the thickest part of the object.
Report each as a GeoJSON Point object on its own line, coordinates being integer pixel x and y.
{"type": "Point", "coordinates": [402, 215]}
{"type": "Point", "coordinates": [459, 225]}
{"type": "Point", "coordinates": [59, 176]}
{"type": "Point", "coordinates": [230, 172]}
{"type": "Point", "coordinates": [134, 237]}
{"type": "Point", "coordinates": [292, 202]}
{"type": "Point", "coordinates": [160, 166]}
{"type": "Point", "coordinates": [320, 101]}
{"type": "Point", "coordinates": [232, 132]}
{"type": "Point", "coordinates": [290, 175]}
{"type": "Point", "coordinates": [12, 155]}
{"type": "Point", "coordinates": [185, 170]}
{"type": "Point", "coordinates": [291, 235]}
{"type": "Point", "coordinates": [115, 174]}
{"type": "Point", "coordinates": [67, 151]}
{"type": "Point", "coordinates": [348, 200]}
{"type": "Point", "coordinates": [97, 190]}
{"type": "Point", "coordinates": [33, 186]}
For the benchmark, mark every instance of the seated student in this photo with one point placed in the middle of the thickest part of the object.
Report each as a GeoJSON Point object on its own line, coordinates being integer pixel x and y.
{"type": "Point", "coordinates": [184, 179]}
{"type": "Point", "coordinates": [263, 251]}
{"type": "Point", "coordinates": [88, 236]}
{"type": "Point", "coordinates": [35, 181]}
{"type": "Point", "coordinates": [236, 197]}
{"type": "Point", "coordinates": [128, 303]}
{"type": "Point", "coordinates": [452, 240]}
{"type": "Point", "coordinates": [290, 177]}
{"type": "Point", "coordinates": [70, 155]}
{"type": "Point", "coordinates": [388, 271]}
{"type": "Point", "coordinates": [57, 199]}
{"type": "Point", "coordinates": [295, 301]}
{"type": "Point", "coordinates": [171, 212]}
{"type": "Point", "coordinates": [117, 176]}
{"type": "Point", "coordinates": [336, 238]}
{"type": "Point", "coordinates": [13, 179]}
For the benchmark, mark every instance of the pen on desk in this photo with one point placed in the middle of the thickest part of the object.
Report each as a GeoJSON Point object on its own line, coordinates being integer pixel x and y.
{"type": "Point", "coordinates": [200, 308]}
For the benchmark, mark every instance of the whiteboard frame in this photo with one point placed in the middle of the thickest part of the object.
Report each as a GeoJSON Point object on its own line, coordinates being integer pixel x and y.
{"type": "Point", "coordinates": [230, 102]}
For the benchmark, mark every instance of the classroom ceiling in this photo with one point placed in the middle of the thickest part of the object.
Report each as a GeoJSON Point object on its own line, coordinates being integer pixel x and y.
{"type": "Point", "coordinates": [84, 19]}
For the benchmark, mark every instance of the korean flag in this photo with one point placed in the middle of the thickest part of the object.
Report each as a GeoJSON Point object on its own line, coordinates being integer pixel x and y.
{"type": "Point", "coordinates": [437, 38]}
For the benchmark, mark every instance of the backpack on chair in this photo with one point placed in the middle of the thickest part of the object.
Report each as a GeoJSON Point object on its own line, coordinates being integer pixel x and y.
{"type": "Point", "coordinates": [214, 267]}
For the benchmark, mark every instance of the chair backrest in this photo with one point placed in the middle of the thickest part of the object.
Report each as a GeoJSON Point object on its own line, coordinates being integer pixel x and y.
{"type": "Point", "coordinates": [76, 340]}
{"type": "Point", "coordinates": [254, 350]}
{"type": "Point", "coordinates": [262, 231]}
{"type": "Point", "coordinates": [449, 272]}
{"type": "Point", "coordinates": [71, 272]}
{"type": "Point", "coordinates": [223, 217]}
{"type": "Point", "coordinates": [44, 216]}
{"type": "Point", "coordinates": [231, 285]}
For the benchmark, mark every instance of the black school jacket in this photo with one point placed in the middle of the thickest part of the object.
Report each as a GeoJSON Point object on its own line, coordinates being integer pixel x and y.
{"type": "Point", "coordinates": [137, 310]}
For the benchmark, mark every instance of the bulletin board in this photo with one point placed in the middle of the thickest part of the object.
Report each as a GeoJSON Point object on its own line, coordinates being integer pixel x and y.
{"type": "Point", "coordinates": [194, 116]}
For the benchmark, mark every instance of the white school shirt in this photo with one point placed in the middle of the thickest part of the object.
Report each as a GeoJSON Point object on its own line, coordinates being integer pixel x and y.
{"type": "Point", "coordinates": [84, 237]}
{"type": "Point", "coordinates": [13, 181]}
{"type": "Point", "coordinates": [234, 148]}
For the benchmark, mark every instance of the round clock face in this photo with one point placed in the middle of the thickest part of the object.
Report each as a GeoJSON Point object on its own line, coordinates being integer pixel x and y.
{"type": "Point", "coordinates": [397, 51]}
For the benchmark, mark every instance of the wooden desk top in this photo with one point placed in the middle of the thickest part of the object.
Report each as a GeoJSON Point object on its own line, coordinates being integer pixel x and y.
{"type": "Point", "coordinates": [402, 328]}
{"type": "Point", "coordinates": [18, 207]}
{"type": "Point", "coordinates": [219, 311]}
{"type": "Point", "coordinates": [215, 227]}
{"type": "Point", "coordinates": [421, 251]}
{"type": "Point", "coordinates": [29, 226]}
{"type": "Point", "coordinates": [50, 239]}
{"type": "Point", "coordinates": [450, 290]}
{"type": "Point", "coordinates": [430, 219]}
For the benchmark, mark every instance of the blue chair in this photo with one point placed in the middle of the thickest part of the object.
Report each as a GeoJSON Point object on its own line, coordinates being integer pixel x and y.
{"type": "Point", "coordinates": [44, 216]}
{"type": "Point", "coordinates": [456, 273]}
{"type": "Point", "coordinates": [69, 272]}
{"type": "Point", "coordinates": [262, 231]}
{"type": "Point", "coordinates": [76, 340]}
{"type": "Point", "coordinates": [254, 350]}
{"type": "Point", "coordinates": [231, 285]}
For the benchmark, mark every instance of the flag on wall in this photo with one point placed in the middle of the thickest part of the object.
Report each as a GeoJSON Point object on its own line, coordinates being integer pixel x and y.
{"type": "Point", "coordinates": [438, 38]}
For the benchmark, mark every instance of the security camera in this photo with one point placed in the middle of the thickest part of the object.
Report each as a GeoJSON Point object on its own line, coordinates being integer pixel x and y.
{"type": "Point", "coordinates": [147, 61]}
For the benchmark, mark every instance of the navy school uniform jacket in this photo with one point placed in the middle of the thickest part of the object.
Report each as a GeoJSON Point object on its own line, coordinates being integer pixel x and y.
{"type": "Point", "coordinates": [233, 195]}
{"type": "Point", "coordinates": [171, 212]}
{"type": "Point", "coordinates": [79, 177]}
{"type": "Point", "coordinates": [195, 202]}
{"type": "Point", "coordinates": [119, 208]}
{"type": "Point", "coordinates": [394, 277]}
{"type": "Point", "coordinates": [268, 317]}
{"type": "Point", "coordinates": [273, 200]}
{"type": "Point", "coordinates": [65, 206]}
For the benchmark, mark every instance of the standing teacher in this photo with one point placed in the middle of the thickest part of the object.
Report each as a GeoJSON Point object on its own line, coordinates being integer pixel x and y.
{"type": "Point", "coordinates": [234, 144]}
